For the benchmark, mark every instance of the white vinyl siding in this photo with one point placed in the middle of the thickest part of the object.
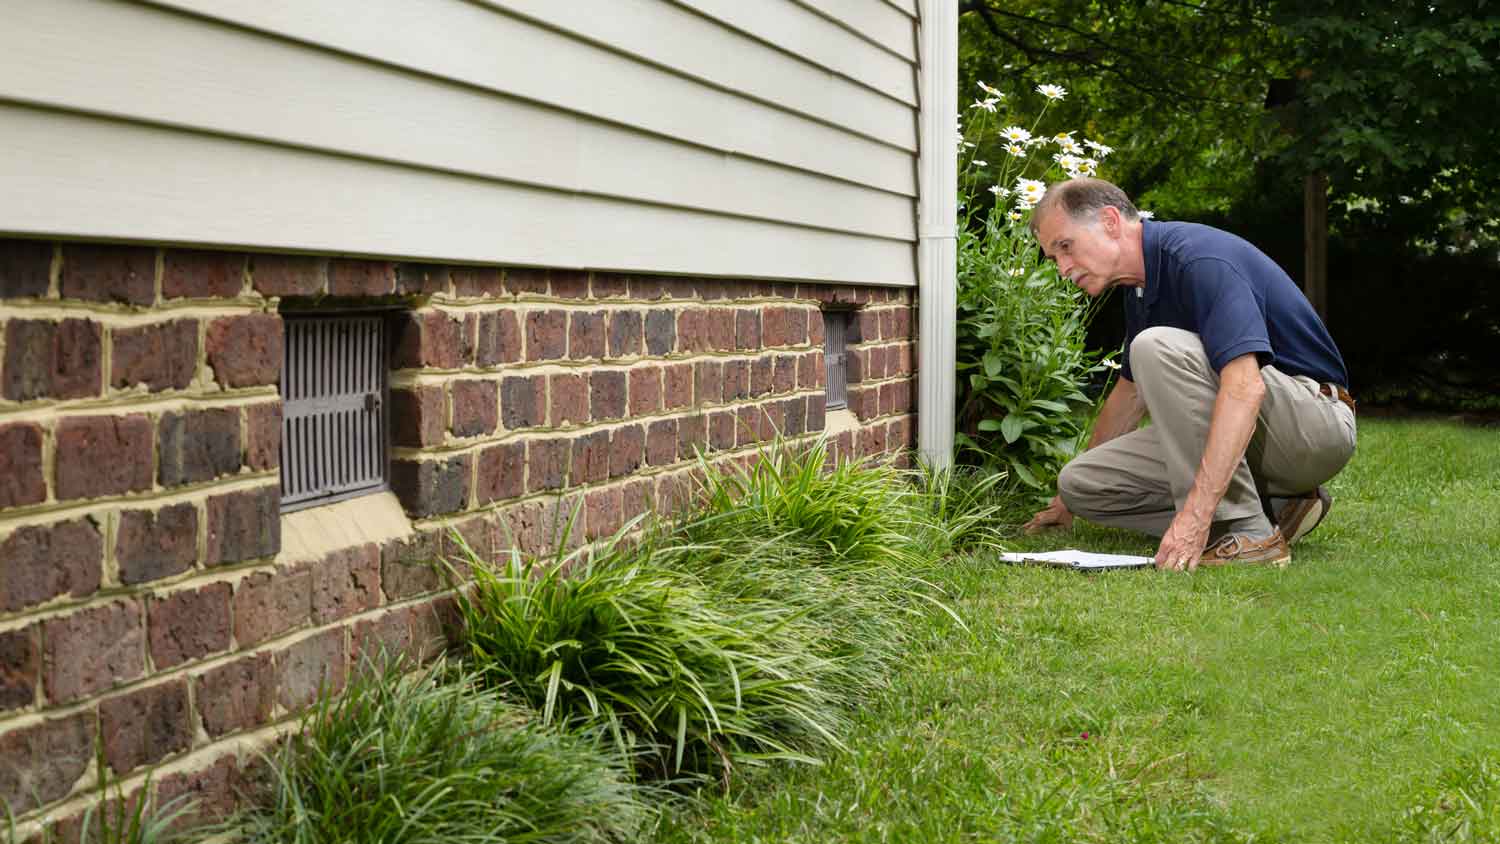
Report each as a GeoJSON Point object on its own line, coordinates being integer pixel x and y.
{"type": "Point", "coordinates": [640, 135]}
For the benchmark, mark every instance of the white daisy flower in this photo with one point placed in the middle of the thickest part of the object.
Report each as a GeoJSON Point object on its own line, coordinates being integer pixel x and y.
{"type": "Point", "coordinates": [978, 163]}
{"type": "Point", "coordinates": [1017, 272]}
{"type": "Point", "coordinates": [1090, 166]}
{"type": "Point", "coordinates": [1099, 149]}
{"type": "Point", "coordinates": [991, 91]}
{"type": "Point", "coordinates": [1110, 364]}
{"type": "Point", "coordinates": [1145, 215]}
{"type": "Point", "coordinates": [997, 190]}
{"type": "Point", "coordinates": [1015, 134]}
{"type": "Point", "coordinates": [1030, 190]}
{"type": "Point", "coordinates": [1070, 146]}
{"type": "Point", "coordinates": [1066, 161]}
{"type": "Point", "coordinates": [988, 105]}
{"type": "Point", "coordinates": [1015, 216]}
{"type": "Point", "coordinates": [1052, 92]}
{"type": "Point", "coordinates": [1016, 149]}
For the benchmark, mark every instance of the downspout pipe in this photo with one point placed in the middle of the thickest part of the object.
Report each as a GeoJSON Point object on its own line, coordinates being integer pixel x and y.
{"type": "Point", "coordinates": [937, 244]}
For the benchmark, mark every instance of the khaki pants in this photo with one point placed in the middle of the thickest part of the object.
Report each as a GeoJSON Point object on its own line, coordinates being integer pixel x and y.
{"type": "Point", "coordinates": [1140, 480]}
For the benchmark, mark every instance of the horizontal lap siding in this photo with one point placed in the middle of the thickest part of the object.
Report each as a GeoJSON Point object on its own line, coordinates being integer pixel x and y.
{"type": "Point", "coordinates": [671, 137]}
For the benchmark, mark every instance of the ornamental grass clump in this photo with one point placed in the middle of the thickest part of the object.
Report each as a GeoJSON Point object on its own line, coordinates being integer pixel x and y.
{"type": "Point", "coordinates": [1023, 361]}
{"type": "Point", "coordinates": [626, 638]}
{"type": "Point", "coordinates": [433, 757]}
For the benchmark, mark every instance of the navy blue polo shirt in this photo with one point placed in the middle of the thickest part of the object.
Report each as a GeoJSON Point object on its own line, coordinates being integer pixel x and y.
{"type": "Point", "coordinates": [1234, 297]}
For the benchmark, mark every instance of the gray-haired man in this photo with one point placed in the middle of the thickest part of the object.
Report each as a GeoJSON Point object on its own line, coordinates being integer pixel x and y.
{"type": "Point", "coordinates": [1246, 390]}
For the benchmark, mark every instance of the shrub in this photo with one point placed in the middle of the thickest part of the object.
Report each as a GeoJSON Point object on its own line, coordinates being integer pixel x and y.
{"type": "Point", "coordinates": [429, 757]}
{"type": "Point", "coordinates": [1021, 332]}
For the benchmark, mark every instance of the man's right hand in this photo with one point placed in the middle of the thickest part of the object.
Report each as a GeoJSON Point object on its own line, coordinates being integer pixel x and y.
{"type": "Point", "coordinates": [1054, 515]}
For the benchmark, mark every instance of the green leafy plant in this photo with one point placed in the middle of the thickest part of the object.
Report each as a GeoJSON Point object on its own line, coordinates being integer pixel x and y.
{"type": "Point", "coordinates": [623, 636]}
{"type": "Point", "coordinates": [115, 819]}
{"type": "Point", "coordinates": [1021, 334]}
{"type": "Point", "coordinates": [429, 756]}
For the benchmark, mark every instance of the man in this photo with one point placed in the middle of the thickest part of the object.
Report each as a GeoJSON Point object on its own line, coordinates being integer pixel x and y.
{"type": "Point", "coordinates": [1246, 390]}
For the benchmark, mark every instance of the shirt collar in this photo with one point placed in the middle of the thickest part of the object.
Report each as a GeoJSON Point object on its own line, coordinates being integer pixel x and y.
{"type": "Point", "coordinates": [1151, 251]}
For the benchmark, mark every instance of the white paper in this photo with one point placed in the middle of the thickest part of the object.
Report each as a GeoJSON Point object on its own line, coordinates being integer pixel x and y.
{"type": "Point", "coordinates": [1074, 558]}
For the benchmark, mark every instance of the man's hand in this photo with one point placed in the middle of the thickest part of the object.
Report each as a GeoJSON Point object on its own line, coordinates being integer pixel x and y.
{"type": "Point", "coordinates": [1182, 545]}
{"type": "Point", "coordinates": [1055, 515]}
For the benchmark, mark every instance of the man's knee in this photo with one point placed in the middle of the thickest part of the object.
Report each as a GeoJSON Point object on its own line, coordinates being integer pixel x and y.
{"type": "Point", "coordinates": [1071, 487]}
{"type": "Point", "coordinates": [1154, 344]}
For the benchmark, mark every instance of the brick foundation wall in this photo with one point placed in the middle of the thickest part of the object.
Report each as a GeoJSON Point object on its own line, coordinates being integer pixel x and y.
{"type": "Point", "coordinates": [147, 604]}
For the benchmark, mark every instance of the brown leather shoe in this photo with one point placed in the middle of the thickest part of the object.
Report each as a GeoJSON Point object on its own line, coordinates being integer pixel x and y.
{"type": "Point", "coordinates": [1299, 516]}
{"type": "Point", "coordinates": [1235, 549]}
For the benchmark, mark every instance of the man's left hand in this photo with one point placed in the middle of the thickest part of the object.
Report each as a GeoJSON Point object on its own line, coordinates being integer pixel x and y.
{"type": "Point", "coordinates": [1183, 543]}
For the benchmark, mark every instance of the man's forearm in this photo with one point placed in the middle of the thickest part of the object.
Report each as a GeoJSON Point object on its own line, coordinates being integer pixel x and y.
{"type": "Point", "coordinates": [1121, 413]}
{"type": "Point", "coordinates": [1236, 409]}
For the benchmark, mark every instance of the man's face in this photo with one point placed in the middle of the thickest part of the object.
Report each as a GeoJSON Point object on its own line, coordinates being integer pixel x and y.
{"type": "Point", "coordinates": [1084, 250]}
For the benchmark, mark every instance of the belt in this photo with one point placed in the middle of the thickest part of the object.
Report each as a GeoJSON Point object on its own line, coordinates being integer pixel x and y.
{"type": "Point", "coordinates": [1337, 392]}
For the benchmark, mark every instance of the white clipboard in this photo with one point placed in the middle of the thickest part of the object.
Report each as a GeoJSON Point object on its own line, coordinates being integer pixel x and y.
{"type": "Point", "coordinates": [1072, 558]}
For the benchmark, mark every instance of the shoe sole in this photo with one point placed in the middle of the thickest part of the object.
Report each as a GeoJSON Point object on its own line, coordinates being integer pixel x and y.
{"type": "Point", "coordinates": [1276, 562]}
{"type": "Point", "coordinates": [1303, 515]}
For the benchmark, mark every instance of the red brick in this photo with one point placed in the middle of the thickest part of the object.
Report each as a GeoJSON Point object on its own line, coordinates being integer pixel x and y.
{"type": "Point", "coordinates": [877, 360]}
{"type": "Point", "coordinates": [499, 338]}
{"type": "Point", "coordinates": [20, 667]}
{"type": "Point", "coordinates": [421, 278]}
{"type": "Point", "coordinates": [475, 407]}
{"type": "Point", "coordinates": [810, 371]}
{"type": "Point", "coordinates": [198, 445]}
{"type": "Point", "coordinates": [772, 420]}
{"type": "Point", "coordinates": [145, 725]}
{"type": "Point", "coordinates": [692, 432]}
{"type": "Point", "coordinates": [637, 497]}
{"type": "Point", "coordinates": [645, 390]}
{"type": "Point", "coordinates": [610, 286]}
{"type": "Point", "coordinates": [570, 399]}
{"type": "Point", "coordinates": [887, 399]}
{"type": "Point", "coordinates": [872, 441]}
{"type": "Point", "coordinates": [784, 379]}
{"type": "Point", "coordinates": [547, 463]}
{"type": "Point", "coordinates": [546, 335]}
{"type": "Point", "coordinates": [43, 761]}
{"type": "Point", "coordinates": [521, 280]}
{"type": "Point", "coordinates": [207, 795]}
{"type": "Point", "coordinates": [865, 402]}
{"type": "Point", "coordinates": [795, 416]}
{"type": "Point", "coordinates": [360, 277]}
{"type": "Point", "coordinates": [536, 527]}
{"type": "Point", "coordinates": [748, 426]}
{"type": "Point", "coordinates": [103, 455]}
{"type": "Point", "coordinates": [107, 273]}
{"type": "Point", "coordinates": [661, 332]}
{"type": "Point", "coordinates": [150, 545]}
{"type": "Point", "coordinates": [502, 470]}
{"type": "Point", "coordinates": [263, 436]}
{"type": "Point", "coordinates": [590, 457]}
{"type": "Point", "coordinates": [237, 696]}
{"type": "Point", "coordinates": [42, 562]}
{"type": "Point", "coordinates": [407, 566]}
{"type": "Point", "coordinates": [692, 330]}
{"type": "Point", "coordinates": [604, 512]}
{"type": "Point", "coordinates": [345, 582]}
{"type": "Point", "coordinates": [188, 624]}
{"type": "Point", "coordinates": [708, 381]}
{"type": "Point", "coordinates": [722, 426]}
{"type": "Point", "coordinates": [817, 413]}
{"type": "Point", "coordinates": [607, 396]}
{"type": "Point", "coordinates": [677, 385]}
{"type": "Point", "coordinates": [785, 289]}
{"type": "Point", "coordinates": [289, 275]}
{"type": "Point", "coordinates": [661, 442]}
{"type": "Point", "coordinates": [269, 603]}
{"type": "Point", "coordinates": [736, 380]}
{"type": "Point", "coordinates": [477, 281]}
{"type": "Point", "coordinates": [747, 329]}
{"type": "Point", "coordinates": [92, 650]}
{"type": "Point", "coordinates": [431, 487]}
{"type": "Point", "coordinates": [244, 525]}
{"type": "Point", "coordinates": [587, 339]}
{"type": "Point", "coordinates": [624, 333]}
{"type": "Point", "coordinates": [417, 415]}
{"type": "Point", "coordinates": [888, 323]}
{"type": "Point", "coordinates": [25, 269]}
{"type": "Point", "coordinates": [58, 360]}
{"type": "Point", "coordinates": [569, 284]}
{"type": "Point", "coordinates": [627, 447]}
{"type": "Point", "coordinates": [316, 665]}
{"type": "Point", "coordinates": [431, 339]}
{"type": "Point", "coordinates": [162, 356]}
{"type": "Point", "coordinates": [377, 642]}
{"type": "Point", "coordinates": [905, 362]}
{"type": "Point", "coordinates": [675, 493]}
{"type": "Point", "coordinates": [201, 274]}
{"type": "Point", "coordinates": [796, 326]}
{"type": "Point", "coordinates": [869, 325]}
{"type": "Point", "coordinates": [773, 330]}
{"type": "Point", "coordinates": [245, 351]}
{"type": "Point", "coordinates": [523, 401]}
{"type": "Point", "coordinates": [721, 329]}
{"type": "Point", "coordinates": [22, 480]}
{"type": "Point", "coordinates": [816, 331]}
{"type": "Point", "coordinates": [647, 287]}
{"type": "Point", "coordinates": [762, 375]}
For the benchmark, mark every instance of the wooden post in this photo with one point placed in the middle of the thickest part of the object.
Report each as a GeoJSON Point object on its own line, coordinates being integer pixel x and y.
{"type": "Point", "coordinates": [1315, 242]}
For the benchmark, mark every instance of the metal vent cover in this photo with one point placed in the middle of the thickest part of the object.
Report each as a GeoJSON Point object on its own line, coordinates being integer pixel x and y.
{"type": "Point", "coordinates": [334, 441]}
{"type": "Point", "coordinates": [835, 356]}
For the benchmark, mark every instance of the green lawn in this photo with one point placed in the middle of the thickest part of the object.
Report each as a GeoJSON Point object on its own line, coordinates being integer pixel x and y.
{"type": "Point", "coordinates": [1317, 703]}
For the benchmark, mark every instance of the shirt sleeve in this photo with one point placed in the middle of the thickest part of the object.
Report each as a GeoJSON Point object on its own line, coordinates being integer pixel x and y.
{"type": "Point", "coordinates": [1231, 321]}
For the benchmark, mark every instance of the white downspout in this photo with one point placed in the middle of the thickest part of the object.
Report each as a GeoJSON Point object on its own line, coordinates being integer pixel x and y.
{"type": "Point", "coordinates": [937, 209]}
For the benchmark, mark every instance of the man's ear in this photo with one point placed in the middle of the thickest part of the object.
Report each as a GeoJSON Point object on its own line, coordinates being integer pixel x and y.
{"type": "Point", "coordinates": [1109, 217]}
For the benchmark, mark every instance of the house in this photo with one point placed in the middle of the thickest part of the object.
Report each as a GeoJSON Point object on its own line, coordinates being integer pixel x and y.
{"type": "Point", "coordinates": [291, 290]}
